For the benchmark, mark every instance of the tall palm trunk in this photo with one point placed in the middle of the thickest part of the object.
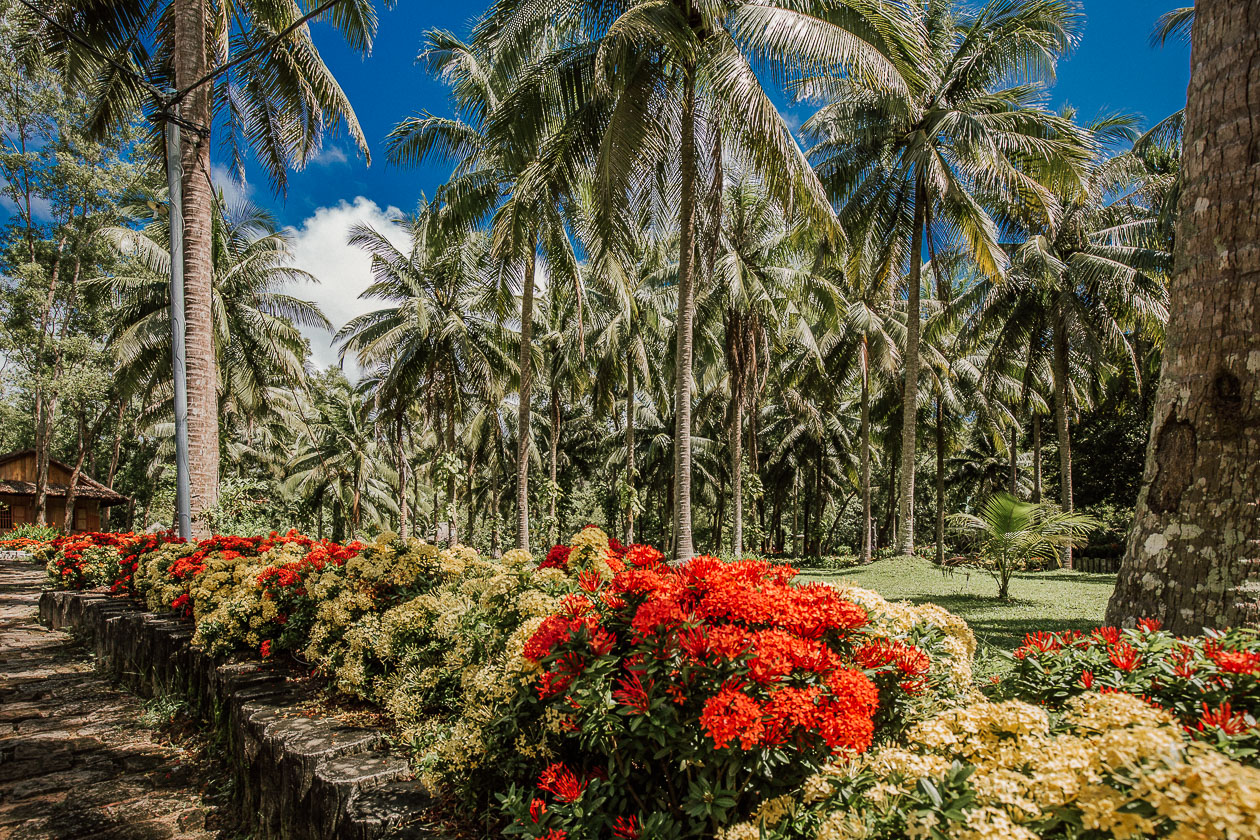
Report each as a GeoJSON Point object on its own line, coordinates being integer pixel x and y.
{"type": "Point", "coordinates": [402, 477]}
{"type": "Point", "coordinates": [737, 473]}
{"type": "Point", "coordinates": [190, 63]}
{"type": "Point", "coordinates": [1061, 423]}
{"type": "Point", "coordinates": [452, 521]}
{"type": "Point", "coordinates": [683, 548]}
{"type": "Point", "coordinates": [865, 434]}
{"type": "Point", "coordinates": [630, 466]}
{"type": "Point", "coordinates": [1036, 443]}
{"type": "Point", "coordinates": [940, 483]}
{"type": "Point", "coordinates": [1190, 559]}
{"type": "Point", "coordinates": [522, 412]}
{"type": "Point", "coordinates": [910, 394]}
{"type": "Point", "coordinates": [1012, 450]}
{"type": "Point", "coordinates": [554, 536]}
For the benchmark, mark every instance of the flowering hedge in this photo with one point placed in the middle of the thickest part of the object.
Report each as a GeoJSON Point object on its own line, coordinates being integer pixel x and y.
{"type": "Point", "coordinates": [1210, 683]}
{"type": "Point", "coordinates": [603, 693]}
{"type": "Point", "coordinates": [1108, 766]}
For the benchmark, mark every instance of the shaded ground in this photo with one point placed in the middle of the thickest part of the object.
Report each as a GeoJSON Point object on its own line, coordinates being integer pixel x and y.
{"type": "Point", "coordinates": [79, 757]}
{"type": "Point", "coordinates": [1055, 601]}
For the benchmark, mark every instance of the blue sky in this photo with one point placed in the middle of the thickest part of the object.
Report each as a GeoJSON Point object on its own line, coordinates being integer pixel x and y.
{"type": "Point", "coordinates": [1114, 69]}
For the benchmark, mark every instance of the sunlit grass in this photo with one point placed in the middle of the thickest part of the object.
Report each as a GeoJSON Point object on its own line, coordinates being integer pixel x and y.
{"type": "Point", "coordinates": [1058, 600]}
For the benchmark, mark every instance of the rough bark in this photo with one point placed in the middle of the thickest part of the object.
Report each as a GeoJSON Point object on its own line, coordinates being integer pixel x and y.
{"type": "Point", "coordinates": [683, 547]}
{"type": "Point", "coordinates": [402, 476]}
{"type": "Point", "coordinates": [737, 476]}
{"type": "Point", "coordinates": [1012, 450]}
{"type": "Point", "coordinates": [522, 412]}
{"type": "Point", "coordinates": [910, 393]}
{"type": "Point", "coordinates": [191, 62]}
{"type": "Point", "coordinates": [1191, 559]}
{"type": "Point", "coordinates": [452, 522]}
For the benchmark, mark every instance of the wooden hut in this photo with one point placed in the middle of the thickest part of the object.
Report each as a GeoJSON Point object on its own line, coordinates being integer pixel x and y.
{"type": "Point", "coordinates": [17, 494]}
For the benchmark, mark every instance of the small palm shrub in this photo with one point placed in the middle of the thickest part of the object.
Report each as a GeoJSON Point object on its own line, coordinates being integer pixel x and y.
{"type": "Point", "coordinates": [1010, 534]}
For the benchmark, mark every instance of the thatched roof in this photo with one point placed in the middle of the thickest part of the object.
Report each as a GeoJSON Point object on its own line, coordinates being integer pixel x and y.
{"type": "Point", "coordinates": [86, 488]}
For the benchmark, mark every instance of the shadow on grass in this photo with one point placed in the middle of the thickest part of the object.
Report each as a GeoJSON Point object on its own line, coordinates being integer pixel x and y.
{"type": "Point", "coordinates": [1095, 579]}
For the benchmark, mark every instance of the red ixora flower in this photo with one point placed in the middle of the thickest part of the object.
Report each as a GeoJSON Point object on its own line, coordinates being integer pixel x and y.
{"type": "Point", "coordinates": [1223, 718]}
{"type": "Point", "coordinates": [1124, 657]}
{"type": "Point", "coordinates": [560, 781]}
{"type": "Point", "coordinates": [1087, 679]}
{"type": "Point", "coordinates": [265, 648]}
{"type": "Point", "coordinates": [536, 809]}
{"type": "Point", "coordinates": [554, 834]}
{"type": "Point", "coordinates": [1232, 661]}
{"type": "Point", "coordinates": [557, 558]}
{"type": "Point", "coordinates": [1107, 635]}
{"type": "Point", "coordinates": [1149, 625]}
{"type": "Point", "coordinates": [626, 828]}
{"type": "Point", "coordinates": [732, 714]}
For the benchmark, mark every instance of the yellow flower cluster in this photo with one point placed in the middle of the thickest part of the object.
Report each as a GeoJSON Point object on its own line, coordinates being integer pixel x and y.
{"type": "Point", "coordinates": [1111, 764]}
{"type": "Point", "coordinates": [952, 665]}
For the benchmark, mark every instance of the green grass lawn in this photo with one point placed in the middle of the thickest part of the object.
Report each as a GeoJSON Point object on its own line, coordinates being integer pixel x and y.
{"type": "Point", "coordinates": [1059, 600]}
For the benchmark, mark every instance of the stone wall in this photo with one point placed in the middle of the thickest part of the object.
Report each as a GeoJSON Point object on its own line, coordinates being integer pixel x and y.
{"type": "Point", "coordinates": [300, 776]}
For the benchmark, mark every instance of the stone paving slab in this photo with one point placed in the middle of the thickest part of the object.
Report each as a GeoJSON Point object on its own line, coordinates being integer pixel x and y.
{"type": "Point", "coordinates": [75, 760]}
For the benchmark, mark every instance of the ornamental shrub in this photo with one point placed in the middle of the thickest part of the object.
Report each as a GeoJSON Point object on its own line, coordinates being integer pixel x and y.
{"type": "Point", "coordinates": [1210, 683]}
{"type": "Point", "coordinates": [84, 561]}
{"type": "Point", "coordinates": [670, 700]}
{"type": "Point", "coordinates": [1107, 766]}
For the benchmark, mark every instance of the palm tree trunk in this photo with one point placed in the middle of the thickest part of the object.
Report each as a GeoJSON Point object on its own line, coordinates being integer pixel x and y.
{"type": "Point", "coordinates": [191, 62]}
{"type": "Point", "coordinates": [402, 477]}
{"type": "Point", "coordinates": [1013, 452]}
{"type": "Point", "coordinates": [683, 548]}
{"type": "Point", "coordinates": [910, 397]}
{"type": "Point", "coordinates": [523, 411]}
{"type": "Point", "coordinates": [940, 483]}
{"type": "Point", "coordinates": [452, 519]}
{"type": "Point", "coordinates": [115, 456]}
{"type": "Point", "coordinates": [1190, 559]}
{"type": "Point", "coordinates": [737, 474]}
{"type": "Point", "coordinates": [1061, 422]}
{"type": "Point", "coordinates": [554, 536]}
{"type": "Point", "coordinates": [865, 435]}
{"type": "Point", "coordinates": [1036, 435]}
{"type": "Point", "coordinates": [630, 467]}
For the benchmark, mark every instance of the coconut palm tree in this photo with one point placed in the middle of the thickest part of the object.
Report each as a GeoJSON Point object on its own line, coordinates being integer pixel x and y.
{"type": "Point", "coordinates": [260, 352]}
{"type": "Point", "coordinates": [925, 160]}
{"type": "Point", "coordinates": [678, 82]}
{"type": "Point", "coordinates": [438, 338]}
{"type": "Point", "coordinates": [247, 72]}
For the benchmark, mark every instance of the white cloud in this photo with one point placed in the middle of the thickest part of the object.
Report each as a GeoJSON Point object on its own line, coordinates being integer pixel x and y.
{"type": "Point", "coordinates": [330, 155]}
{"type": "Point", "coordinates": [234, 189]}
{"type": "Point", "coordinates": [320, 248]}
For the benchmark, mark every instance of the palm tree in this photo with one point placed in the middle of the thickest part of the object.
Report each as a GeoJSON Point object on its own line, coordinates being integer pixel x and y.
{"type": "Point", "coordinates": [439, 338]}
{"type": "Point", "coordinates": [923, 160]}
{"type": "Point", "coordinates": [246, 70]}
{"type": "Point", "coordinates": [1079, 284]}
{"type": "Point", "coordinates": [258, 348]}
{"type": "Point", "coordinates": [678, 85]}
{"type": "Point", "coordinates": [1009, 533]}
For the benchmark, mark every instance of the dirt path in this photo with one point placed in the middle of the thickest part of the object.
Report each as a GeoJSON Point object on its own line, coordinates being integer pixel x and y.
{"type": "Point", "coordinates": [76, 758]}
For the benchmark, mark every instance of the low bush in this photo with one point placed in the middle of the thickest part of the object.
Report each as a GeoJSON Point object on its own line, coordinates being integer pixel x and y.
{"type": "Point", "coordinates": [1211, 684]}
{"type": "Point", "coordinates": [1106, 766]}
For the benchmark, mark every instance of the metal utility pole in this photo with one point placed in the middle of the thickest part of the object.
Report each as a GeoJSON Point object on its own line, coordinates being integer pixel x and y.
{"type": "Point", "coordinates": [179, 368]}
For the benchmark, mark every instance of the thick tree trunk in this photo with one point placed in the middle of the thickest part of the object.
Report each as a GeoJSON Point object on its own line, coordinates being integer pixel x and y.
{"type": "Point", "coordinates": [114, 457]}
{"type": "Point", "coordinates": [1061, 418]}
{"type": "Point", "coordinates": [522, 412]}
{"type": "Point", "coordinates": [683, 548]}
{"type": "Point", "coordinates": [452, 519]}
{"type": "Point", "coordinates": [191, 62]}
{"type": "Point", "coordinates": [910, 393]}
{"type": "Point", "coordinates": [1191, 559]}
{"type": "Point", "coordinates": [1036, 436]}
{"type": "Point", "coordinates": [865, 434]}
{"type": "Point", "coordinates": [496, 534]}
{"type": "Point", "coordinates": [631, 478]}
{"type": "Point", "coordinates": [72, 491]}
{"type": "Point", "coordinates": [940, 483]}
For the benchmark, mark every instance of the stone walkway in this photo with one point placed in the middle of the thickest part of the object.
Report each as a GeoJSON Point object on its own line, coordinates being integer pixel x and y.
{"type": "Point", "coordinates": [76, 760]}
